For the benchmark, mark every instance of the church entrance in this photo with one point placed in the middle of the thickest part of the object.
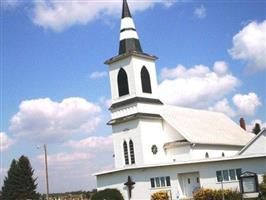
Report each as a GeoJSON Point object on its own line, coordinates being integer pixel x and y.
{"type": "Point", "coordinates": [190, 182]}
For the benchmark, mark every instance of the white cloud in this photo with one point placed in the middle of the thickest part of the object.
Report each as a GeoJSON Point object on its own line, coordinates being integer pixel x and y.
{"type": "Point", "coordinates": [47, 120]}
{"type": "Point", "coordinates": [220, 67]}
{"type": "Point", "coordinates": [197, 86]}
{"type": "Point", "coordinates": [246, 103]}
{"type": "Point", "coordinates": [59, 15]}
{"type": "Point", "coordinates": [63, 159]}
{"type": "Point", "coordinates": [253, 122]}
{"type": "Point", "coordinates": [93, 142]}
{"type": "Point", "coordinates": [224, 107]}
{"type": "Point", "coordinates": [5, 141]}
{"type": "Point", "coordinates": [249, 46]}
{"type": "Point", "coordinates": [96, 75]}
{"type": "Point", "coordinates": [66, 169]}
{"type": "Point", "coordinates": [106, 102]}
{"type": "Point", "coordinates": [10, 3]}
{"type": "Point", "coordinates": [200, 12]}
{"type": "Point", "coordinates": [181, 71]}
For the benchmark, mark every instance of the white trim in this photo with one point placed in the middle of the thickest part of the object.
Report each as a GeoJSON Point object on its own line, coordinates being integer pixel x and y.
{"type": "Point", "coordinates": [251, 141]}
{"type": "Point", "coordinates": [128, 34]}
{"type": "Point", "coordinates": [236, 157]}
{"type": "Point", "coordinates": [127, 22]}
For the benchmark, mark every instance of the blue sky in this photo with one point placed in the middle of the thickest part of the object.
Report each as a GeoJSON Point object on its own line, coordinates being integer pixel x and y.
{"type": "Point", "coordinates": [55, 87]}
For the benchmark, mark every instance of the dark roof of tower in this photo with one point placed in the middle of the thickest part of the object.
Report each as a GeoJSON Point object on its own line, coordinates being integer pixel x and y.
{"type": "Point", "coordinates": [130, 43]}
{"type": "Point", "coordinates": [125, 11]}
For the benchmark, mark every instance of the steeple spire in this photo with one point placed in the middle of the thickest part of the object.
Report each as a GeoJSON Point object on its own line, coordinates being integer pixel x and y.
{"type": "Point", "coordinates": [125, 11]}
{"type": "Point", "coordinates": [129, 40]}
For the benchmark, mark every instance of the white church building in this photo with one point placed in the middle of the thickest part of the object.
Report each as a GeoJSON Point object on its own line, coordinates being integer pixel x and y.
{"type": "Point", "coordinates": [160, 147]}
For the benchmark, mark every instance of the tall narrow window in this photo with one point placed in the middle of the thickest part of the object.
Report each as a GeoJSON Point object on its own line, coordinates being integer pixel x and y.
{"type": "Point", "coordinates": [125, 153]}
{"type": "Point", "coordinates": [168, 182]}
{"type": "Point", "coordinates": [206, 155]}
{"type": "Point", "coordinates": [132, 154]}
{"type": "Point", "coordinates": [145, 80]}
{"type": "Point", "coordinates": [122, 83]}
{"type": "Point", "coordinates": [152, 183]}
{"type": "Point", "coordinates": [238, 173]}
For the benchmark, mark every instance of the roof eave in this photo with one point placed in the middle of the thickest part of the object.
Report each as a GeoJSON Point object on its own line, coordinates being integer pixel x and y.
{"type": "Point", "coordinates": [222, 159]}
{"type": "Point", "coordinates": [133, 53]}
{"type": "Point", "coordinates": [251, 141]}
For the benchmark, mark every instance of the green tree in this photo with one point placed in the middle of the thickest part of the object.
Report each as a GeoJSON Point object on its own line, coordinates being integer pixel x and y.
{"type": "Point", "coordinates": [256, 129]}
{"type": "Point", "coordinates": [9, 189]}
{"type": "Point", "coordinates": [19, 183]}
{"type": "Point", "coordinates": [27, 189]}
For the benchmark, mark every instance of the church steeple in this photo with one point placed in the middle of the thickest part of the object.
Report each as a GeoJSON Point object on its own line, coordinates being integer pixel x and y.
{"type": "Point", "coordinates": [132, 72]}
{"type": "Point", "coordinates": [125, 10]}
{"type": "Point", "coordinates": [129, 40]}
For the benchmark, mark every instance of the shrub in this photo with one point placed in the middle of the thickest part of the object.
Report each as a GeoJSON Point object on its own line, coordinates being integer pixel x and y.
{"type": "Point", "coordinates": [108, 194]}
{"type": "Point", "coordinates": [262, 187]}
{"type": "Point", "coordinates": [210, 194]}
{"type": "Point", "coordinates": [161, 195]}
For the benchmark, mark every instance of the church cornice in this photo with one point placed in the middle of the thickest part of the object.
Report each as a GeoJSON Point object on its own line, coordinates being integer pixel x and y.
{"type": "Point", "coordinates": [133, 53]}
{"type": "Point", "coordinates": [179, 163]}
{"type": "Point", "coordinates": [135, 100]}
{"type": "Point", "coordinates": [133, 116]}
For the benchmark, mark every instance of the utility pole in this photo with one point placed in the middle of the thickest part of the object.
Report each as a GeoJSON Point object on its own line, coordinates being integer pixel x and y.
{"type": "Point", "coordinates": [46, 171]}
{"type": "Point", "coordinates": [222, 184]}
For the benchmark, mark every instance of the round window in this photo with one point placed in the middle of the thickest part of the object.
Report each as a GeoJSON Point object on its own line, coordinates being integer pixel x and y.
{"type": "Point", "coordinates": [154, 149]}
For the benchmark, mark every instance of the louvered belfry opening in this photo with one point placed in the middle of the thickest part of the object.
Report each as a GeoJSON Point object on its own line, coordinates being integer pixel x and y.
{"type": "Point", "coordinates": [145, 80]}
{"type": "Point", "coordinates": [122, 82]}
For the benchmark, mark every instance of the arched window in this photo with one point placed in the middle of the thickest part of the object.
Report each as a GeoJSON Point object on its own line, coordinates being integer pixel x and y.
{"type": "Point", "coordinates": [125, 153]}
{"type": "Point", "coordinates": [122, 82]}
{"type": "Point", "coordinates": [145, 80]}
{"type": "Point", "coordinates": [132, 153]}
{"type": "Point", "coordinates": [206, 155]}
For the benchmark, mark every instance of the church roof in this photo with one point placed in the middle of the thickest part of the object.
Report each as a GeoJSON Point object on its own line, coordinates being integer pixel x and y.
{"type": "Point", "coordinates": [205, 127]}
{"type": "Point", "coordinates": [253, 141]}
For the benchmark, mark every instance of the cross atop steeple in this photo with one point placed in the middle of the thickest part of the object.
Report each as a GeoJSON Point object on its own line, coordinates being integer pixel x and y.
{"type": "Point", "coordinates": [129, 40]}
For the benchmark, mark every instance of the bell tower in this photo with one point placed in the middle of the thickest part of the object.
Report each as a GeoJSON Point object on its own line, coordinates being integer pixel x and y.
{"type": "Point", "coordinates": [135, 105]}
{"type": "Point", "coordinates": [132, 72]}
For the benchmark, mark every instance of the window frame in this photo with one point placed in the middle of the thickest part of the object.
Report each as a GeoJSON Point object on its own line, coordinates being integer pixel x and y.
{"type": "Point", "coordinates": [220, 175]}
{"type": "Point", "coordinates": [132, 152]}
{"type": "Point", "coordinates": [160, 182]}
{"type": "Point", "coordinates": [125, 150]}
{"type": "Point", "coordinates": [157, 182]}
{"type": "Point", "coordinates": [152, 181]}
{"type": "Point", "coordinates": [168, 181]}
{"type": "Point", "coordinates": [234, 173]}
